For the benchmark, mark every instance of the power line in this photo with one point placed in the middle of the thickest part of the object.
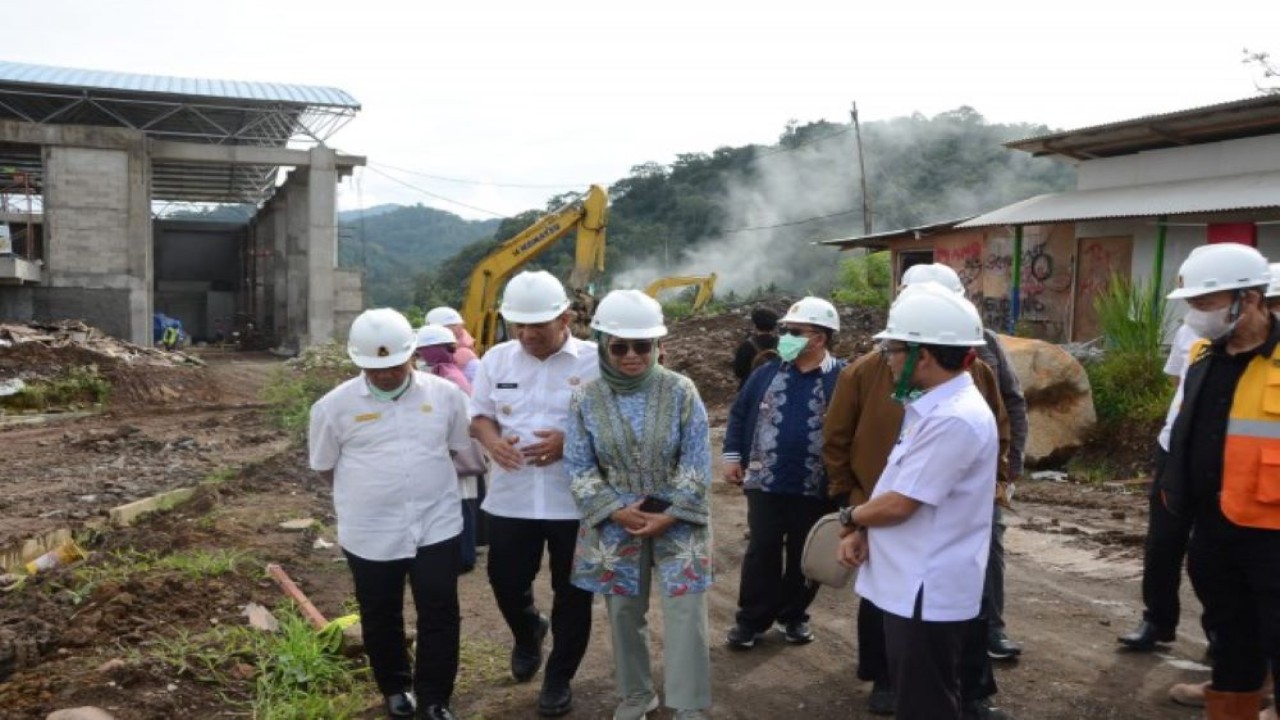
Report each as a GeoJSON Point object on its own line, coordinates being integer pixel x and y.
{"type": "Point", "coordinates": [793, 148]}
{"type": "Point", "coordinates": [789, 224]}
{"type": "Point", "coordinates": [443, 178]}
{"type": "Point", "coordinates": [436, 195]}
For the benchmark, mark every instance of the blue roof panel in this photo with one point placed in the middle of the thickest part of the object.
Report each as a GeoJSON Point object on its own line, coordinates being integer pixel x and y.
{"type": "Point", "coordinates": [47, 75]}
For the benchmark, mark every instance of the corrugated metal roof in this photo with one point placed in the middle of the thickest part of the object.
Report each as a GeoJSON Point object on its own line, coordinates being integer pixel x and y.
{"type": "Point", "coordinates": [50, 76]}
{"type": "Point", "coordinates": [882, 239]}
{"type": "Point", "coordinates": [1231, 192]}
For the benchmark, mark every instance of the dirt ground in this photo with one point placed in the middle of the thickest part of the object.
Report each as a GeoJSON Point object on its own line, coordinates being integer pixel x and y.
{"type": "Point", "coordinates": [1074, 553]}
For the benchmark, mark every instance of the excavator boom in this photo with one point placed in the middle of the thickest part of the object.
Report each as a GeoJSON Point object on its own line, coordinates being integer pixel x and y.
{"type": "Point", "coordinates": [586, 214]}
{"type": "Point", "coordinates": [706, 287]}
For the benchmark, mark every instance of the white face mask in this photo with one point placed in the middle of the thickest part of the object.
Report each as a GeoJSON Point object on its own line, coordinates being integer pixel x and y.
{"type": "Point", "coordinates": [1210, 324]}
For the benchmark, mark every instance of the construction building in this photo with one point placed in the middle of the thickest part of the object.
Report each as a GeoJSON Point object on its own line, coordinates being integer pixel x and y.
{"type": "Point", "coordinates": [90, 159]}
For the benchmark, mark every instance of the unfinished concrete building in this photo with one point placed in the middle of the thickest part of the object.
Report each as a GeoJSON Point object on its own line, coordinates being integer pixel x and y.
{"type": "Point", "coordinates": [88, 162]}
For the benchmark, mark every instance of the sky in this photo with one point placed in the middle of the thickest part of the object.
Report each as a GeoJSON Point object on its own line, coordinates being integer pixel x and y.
{"type": "Point", "coordinates": [559, 95]}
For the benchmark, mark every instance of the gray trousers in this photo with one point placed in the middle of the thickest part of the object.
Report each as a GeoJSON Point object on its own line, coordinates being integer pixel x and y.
{"type": "Point", "coordinates": [686, 653]}
{"type": "Point", "coordinates": [993, 589]}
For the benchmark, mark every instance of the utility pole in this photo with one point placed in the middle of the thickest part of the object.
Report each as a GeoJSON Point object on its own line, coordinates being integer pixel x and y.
{"type": "Point", "coordinates": [862, 172]}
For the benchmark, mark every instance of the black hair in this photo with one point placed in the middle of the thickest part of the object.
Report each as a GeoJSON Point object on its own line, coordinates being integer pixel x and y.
{"type": "Point", "coordinates": [765, 320]}
{"type": "Point", "coordinates": [949, 357]}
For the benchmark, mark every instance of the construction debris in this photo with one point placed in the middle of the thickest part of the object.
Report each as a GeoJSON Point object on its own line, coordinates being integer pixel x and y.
{"type": "Point", "coordinates": [94, 344]}
{"type": "Point", "coordinates": [260, 617]}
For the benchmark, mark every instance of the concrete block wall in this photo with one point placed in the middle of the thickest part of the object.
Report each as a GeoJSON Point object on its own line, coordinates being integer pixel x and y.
{"type": "Point", "coordinates": [348, 300]}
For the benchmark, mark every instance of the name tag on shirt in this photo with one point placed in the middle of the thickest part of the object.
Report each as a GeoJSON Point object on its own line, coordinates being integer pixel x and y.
{"type": "Point", "coordinates": [508, 386]}
{"type": "Point", "coordinates": [366, 417]}
{"type": "Point", "coordinates": [426, 407]}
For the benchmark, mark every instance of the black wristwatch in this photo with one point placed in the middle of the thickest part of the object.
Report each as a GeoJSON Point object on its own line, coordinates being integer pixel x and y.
{"type": "Point", "coordinates": [846, 516]}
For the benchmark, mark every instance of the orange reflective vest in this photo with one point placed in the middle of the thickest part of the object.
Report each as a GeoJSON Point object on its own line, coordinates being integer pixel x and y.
{"type": "Point", "coordinates": [1250, 494]}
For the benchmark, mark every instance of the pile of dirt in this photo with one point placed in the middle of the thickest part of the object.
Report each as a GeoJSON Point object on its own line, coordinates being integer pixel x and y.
{"type": "Point", "coordinates": [42, 352]}
{"type": "Point", "coordinates": [702, 347]}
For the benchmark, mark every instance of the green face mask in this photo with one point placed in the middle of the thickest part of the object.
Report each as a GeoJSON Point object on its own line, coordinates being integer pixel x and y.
{"type": "Point", "coordinates": [388, 395]}
{"type": "Point", "coordinates": [790, 347]}
{"type": "Point", "coordinates": [902, 391]}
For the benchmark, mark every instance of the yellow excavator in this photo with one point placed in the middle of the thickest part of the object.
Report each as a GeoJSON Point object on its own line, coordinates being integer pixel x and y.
{"type": "Point", "coordinates": [706, 287]}
{"type": "Point", "coordinates": [587, 214]}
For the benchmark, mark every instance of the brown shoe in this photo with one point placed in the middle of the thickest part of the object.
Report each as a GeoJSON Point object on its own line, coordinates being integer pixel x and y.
{"type": "Point", "coordinates": [1189, 694]}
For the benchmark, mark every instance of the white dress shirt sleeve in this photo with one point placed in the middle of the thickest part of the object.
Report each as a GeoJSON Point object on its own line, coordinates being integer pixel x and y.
{"type": "Point", "coordinates": [482, 393]}
{"type": "Point", "coordinates": [934, 456]}
{"type": "Point", "coordinates": [322, 438]}
{"type": "Point", "coordinates": [459, 421]}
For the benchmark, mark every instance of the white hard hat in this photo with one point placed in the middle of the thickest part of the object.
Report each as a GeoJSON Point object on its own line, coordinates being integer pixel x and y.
{"type": "Point", "coordinates": [1222, 266]}
{"type": "Point", "coordinates": [944, 275]}
{"type": "Point", "coordinates": [629, 314]}
{"type": "Point", "coordinates": [435, 335]}
{"type": "Point", "coordinates": [1273, 290]}
{"type": "Point", "coordinates": [813, 311]}
{"type": "Point", "coordinates": [380, 338]}
{"type": "Point", "coordinates": [928, 313]}
{"type": "Point", "coordinates": [533, 297]}
{"type": "Point", "coordinates": [444, 315]}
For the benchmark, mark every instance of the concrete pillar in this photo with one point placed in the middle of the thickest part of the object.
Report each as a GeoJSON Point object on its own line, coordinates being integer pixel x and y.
{"type": "Point", "coordinates": [322, 244]}
{"type": "Point", "coordinates": [99, 256]}
{"type": "Point", "coordinates": [277, 222]}
{"type": "Point", "coordinates": [299, 217]}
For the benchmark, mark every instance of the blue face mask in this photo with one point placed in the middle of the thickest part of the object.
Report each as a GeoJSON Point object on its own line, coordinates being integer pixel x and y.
{"type": "Point", "coordinates": [790, 347]}
{"type": "Point", "coordinates": [388, 395]}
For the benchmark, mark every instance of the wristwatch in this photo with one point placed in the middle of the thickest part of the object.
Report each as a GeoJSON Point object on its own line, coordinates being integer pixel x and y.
{"type": "Point", "coordinates": [846, 516]}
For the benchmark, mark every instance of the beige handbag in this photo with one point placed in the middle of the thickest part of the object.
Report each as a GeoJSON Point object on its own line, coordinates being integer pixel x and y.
{"type": "Point", "coordinates": [818, 562]}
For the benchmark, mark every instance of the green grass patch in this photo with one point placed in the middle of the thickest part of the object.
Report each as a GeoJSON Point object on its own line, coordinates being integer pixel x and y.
{"type": "Point", "coordinates": [80, 387]}
{"type": "Point", "coordinates": [865, 280]}
{"type": "Point", "coordinates": [121, 566]}
{"type": "Point", "coordinates": [299, 383]}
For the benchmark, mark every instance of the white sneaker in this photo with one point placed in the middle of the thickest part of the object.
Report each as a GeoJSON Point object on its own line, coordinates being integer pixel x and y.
{"type": "Point", "coordinates": [636, 707]}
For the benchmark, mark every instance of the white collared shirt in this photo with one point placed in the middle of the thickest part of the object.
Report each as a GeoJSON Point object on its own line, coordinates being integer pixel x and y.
{"type": "Point", "coordinates": [523, 394]}
{"type": "Point", "coordinates": [946, 459]}
{"type": "Point", "coordinates": [394, 485]}
{"type": "Point", "coordinates": [1176, 366]}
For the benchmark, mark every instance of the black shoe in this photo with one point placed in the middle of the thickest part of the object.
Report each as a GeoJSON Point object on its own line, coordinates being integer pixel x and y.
{"type": "Point", "coordinates": [1146, 637]}
{"type": "Point", "coordinates": [400, 705]}
{"type": "Point", "coordinates": [1000, 647]}
{"type": "Point", "coordinates": [883, 700]}
{"type": "Point", "coordinates": [983, 710]}
{"type": "Point", "coordinates": [554, 702]}
{"type": "Point", "coordinates": [797, 633]}
{"type": "Point", "coordinates": [436, 712]}
{"type": "Point", "coordinates": [525, 661]}
{"type": "Point", "coordinates": [742, 638]}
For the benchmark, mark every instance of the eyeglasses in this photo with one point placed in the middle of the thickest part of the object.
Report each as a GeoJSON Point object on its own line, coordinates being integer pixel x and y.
{"type": "Point", "coordinates": [619, 349]}
{"type": "Point", "coordinates": [886, 349]}
{"type": "Point", "coordinates": [797, 332]}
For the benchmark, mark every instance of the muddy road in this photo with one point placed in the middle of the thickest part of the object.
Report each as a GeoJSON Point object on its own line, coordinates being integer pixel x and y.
{"type": "Point", "coordinates": [1074, 553]}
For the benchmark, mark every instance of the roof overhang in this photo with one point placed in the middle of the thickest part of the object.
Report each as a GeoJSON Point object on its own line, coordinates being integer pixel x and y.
{"type": "Point", "coordinates": [883, 240]}
{"type": "Point", "coordinates": [1219, 194]}
{"type": "Point", "coordinates": [1250, 117]}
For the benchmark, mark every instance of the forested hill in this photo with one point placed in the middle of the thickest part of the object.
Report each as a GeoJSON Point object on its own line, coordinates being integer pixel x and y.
{"type": "Point", "coordinates": [748, 213]}
{"type": "Point", "coordinates": [397, 244]}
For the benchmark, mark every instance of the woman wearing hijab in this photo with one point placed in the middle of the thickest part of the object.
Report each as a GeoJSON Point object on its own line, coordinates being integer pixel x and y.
{"type": "Point", "coordinates": [638, 452]}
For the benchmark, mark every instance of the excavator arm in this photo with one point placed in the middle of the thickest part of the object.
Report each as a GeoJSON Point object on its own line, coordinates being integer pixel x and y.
{"type": "Point", "coordinates": [586, 214]}
{"type": "Point", "coordinates": [706, 287]}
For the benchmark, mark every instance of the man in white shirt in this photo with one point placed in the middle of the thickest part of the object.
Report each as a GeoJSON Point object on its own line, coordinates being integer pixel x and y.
{"type": "Point", "coordinates": [519, 410]}
{"type": "Point", "coordinates": [385, 440]}
{"type": "Point", "coordinates": [925, 534]}
{"type": "Point", "coordinates": [1167, 534]}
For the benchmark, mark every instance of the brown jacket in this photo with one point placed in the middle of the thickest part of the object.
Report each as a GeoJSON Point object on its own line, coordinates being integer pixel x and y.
{"type": "Point", "coordinates": [863, 421]}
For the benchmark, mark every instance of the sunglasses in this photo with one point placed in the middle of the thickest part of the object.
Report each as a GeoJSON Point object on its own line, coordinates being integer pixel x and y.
{"type": "Point", "coordinates": [639, 347]}
{"type": "Point", "coordinates": [795, 331]}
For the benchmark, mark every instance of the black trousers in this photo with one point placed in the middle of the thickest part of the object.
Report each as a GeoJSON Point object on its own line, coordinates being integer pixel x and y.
{"type": "Point", "coordinates": [515, 556]}
{"type": "Point", "coordinates": [977, 678]}
{"type": "Point", "coordinates": [433, 578]}
{"type": "Point", "coordinates": [1236, 574]}
{"type": "Point", "coordinates": [924, 661]}
{"type": "Point", "coordinates": [772, 585]}
{"type": "Point", "coordinates": [1163, 555]}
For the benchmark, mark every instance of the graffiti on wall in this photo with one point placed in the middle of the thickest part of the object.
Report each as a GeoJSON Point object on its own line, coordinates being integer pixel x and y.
{"type": "Point", "coordinates": [986, 267]}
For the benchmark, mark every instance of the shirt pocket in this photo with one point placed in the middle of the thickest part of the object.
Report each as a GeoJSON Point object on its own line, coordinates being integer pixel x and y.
{"type": "Point", "coordinates": [508, 403]}
{"type": "Point", "coordinates": [1269, 476]}
{"type": "Point", "coordinates": [430, 424]}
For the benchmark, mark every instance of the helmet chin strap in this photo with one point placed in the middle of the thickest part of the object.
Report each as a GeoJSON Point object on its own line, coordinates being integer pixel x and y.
{"type": "Point", "coordinates": [902, 391]}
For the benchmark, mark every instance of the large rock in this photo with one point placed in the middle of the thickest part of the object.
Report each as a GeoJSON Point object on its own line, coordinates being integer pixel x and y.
{"type": "Point", "coordinates": [1060, 411]}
